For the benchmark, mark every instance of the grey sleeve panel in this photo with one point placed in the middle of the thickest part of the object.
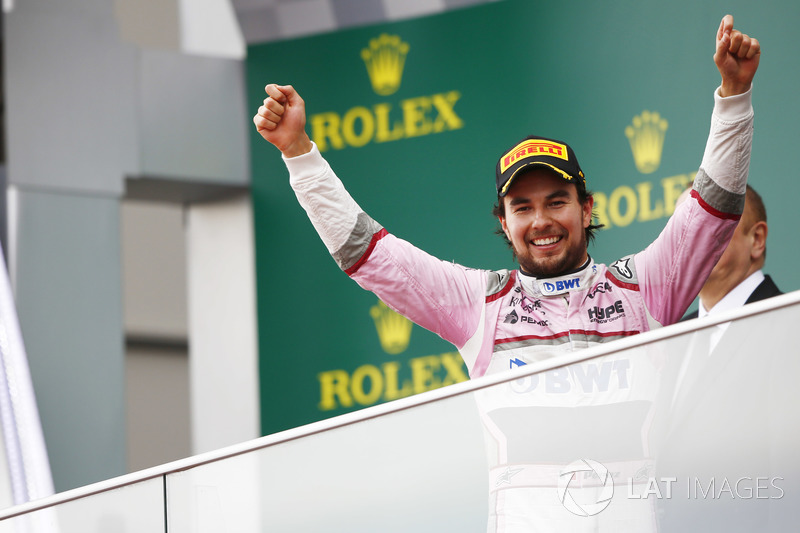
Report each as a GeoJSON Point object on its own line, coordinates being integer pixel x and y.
{"type": "Point", "coordinates": [496, 280]}
{"type": "Point", "coordinates": [358, 242]}
{"type": "Point", "coordinates": [717, 197]}
{"type": "Point", "coordinates": [624, 270]}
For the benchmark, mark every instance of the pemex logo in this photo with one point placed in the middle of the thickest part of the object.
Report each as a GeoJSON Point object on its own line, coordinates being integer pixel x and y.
{"type": "Point", "coordinates": [385, 58]}
{"type": "Point", "coordinates": [600, 495]}
{"type": "Point", "coordinates": [646, 136]}
{"type": "Point", "coordinates": [394, 330]}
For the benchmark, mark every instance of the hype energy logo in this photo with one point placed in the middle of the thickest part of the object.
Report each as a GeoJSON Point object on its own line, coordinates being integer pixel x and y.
{"type": "Point", "coordinates": [647, 200]}
{"type": "Point", "coordinates": [580, 499]}
{"type": "Point", "coordinates": [388, 120]}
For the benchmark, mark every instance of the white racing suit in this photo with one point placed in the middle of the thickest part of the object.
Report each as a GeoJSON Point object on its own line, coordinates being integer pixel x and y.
{"type": "Point", "coordinates": [502, 319]}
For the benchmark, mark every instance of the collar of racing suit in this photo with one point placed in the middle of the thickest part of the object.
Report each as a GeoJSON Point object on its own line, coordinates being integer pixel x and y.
{"type": "Point", "coordinates": [576, 280]}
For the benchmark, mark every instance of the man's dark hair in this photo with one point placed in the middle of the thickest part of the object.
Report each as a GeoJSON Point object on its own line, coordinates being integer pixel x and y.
{"type": "Point", "coordinates": [757, 204]}
{"type": "Point", "coordinates": [499, 210]}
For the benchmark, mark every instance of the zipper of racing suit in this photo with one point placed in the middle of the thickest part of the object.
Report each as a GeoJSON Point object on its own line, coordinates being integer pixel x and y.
{"type": "Point", "coordinates": [569, 329]}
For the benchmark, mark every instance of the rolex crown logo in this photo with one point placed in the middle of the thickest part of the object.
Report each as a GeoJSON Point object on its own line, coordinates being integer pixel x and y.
{"type": "Point", "coordinates": [394, 330]}
{"type": "Point", "coordinates": [385, 58]}
{"type": "Point", "coordinates": [646, 135]}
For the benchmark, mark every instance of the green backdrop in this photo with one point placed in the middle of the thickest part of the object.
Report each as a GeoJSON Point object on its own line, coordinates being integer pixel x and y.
{"type": "Point", "coordinates": [421, 161]}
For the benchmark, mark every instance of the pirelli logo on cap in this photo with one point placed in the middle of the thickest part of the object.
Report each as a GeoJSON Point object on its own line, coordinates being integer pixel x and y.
{"type": "Point", "coordinates": [533, 147]}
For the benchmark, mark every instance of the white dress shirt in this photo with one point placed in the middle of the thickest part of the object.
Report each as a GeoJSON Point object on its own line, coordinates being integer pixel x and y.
{"type": "Point", "coordinates": [734, 299]}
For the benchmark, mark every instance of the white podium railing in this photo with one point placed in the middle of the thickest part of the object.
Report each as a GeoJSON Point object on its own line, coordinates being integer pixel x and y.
{"type": "Point", "coordinates": [683, 428]}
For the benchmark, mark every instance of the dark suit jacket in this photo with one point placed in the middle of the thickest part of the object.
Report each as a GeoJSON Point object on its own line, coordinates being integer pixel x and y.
{"type": "Point", "coordinates": [719, 427]}
{"type": "Point", "coordinates": [766, 289]}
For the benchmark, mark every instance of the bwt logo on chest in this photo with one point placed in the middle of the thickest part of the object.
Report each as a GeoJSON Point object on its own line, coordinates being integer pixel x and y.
{"type": "Point", "coordinates": [551, 287]}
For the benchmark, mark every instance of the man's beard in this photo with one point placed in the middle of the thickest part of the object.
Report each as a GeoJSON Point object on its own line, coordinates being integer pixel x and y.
{"type": "Point", "coordinates": [549, 267]}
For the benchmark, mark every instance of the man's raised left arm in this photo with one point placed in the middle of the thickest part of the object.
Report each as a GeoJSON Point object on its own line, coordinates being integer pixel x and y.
{"type": "Point", "coordinates": [673, 269]}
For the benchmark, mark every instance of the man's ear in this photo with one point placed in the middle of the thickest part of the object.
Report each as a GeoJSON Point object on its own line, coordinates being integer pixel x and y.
{"type": "Point", "coordinates": [758, 244]}
{"type": "Point", "coordinates": [588, 205]}
{"type": "Point", "coordinates": [503, 225]}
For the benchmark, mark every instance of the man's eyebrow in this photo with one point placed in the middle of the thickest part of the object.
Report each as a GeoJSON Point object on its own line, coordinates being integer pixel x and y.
{"type": "Point", "coordinates": [558, 194]}
{"type": "Point", "coordinates": [519, 200]}
{"type": "Point", "coordinates": [561, 193]}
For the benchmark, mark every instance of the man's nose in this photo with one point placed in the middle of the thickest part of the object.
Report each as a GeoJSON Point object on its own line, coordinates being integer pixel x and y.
{"type": "Point", "coordinates": [540, 219]}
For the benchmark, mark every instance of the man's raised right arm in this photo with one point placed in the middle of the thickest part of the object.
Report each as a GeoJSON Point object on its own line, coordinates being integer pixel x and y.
{"type": "Point", "coordinates": [442, 297]}
{"type": "Point", "coordinates": [335, 215]}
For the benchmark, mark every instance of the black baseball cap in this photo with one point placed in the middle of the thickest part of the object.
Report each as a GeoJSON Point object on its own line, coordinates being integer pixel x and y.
{"type": "Point", "coordinates": [534, 150]}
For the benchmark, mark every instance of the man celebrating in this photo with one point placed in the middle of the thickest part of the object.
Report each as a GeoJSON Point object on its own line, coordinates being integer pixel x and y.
{"type": "Point", "coordinates": [559, 299]}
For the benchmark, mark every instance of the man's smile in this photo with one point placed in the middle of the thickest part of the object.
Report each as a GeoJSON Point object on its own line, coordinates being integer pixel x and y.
{"type": "Point", "coordinates": [544, 241]}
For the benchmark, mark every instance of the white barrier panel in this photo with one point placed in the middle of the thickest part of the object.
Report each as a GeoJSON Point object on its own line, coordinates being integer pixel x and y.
{"type": "Point", "coordinates": [134, 507]}
{"type": "Point", "coordinates": [685, 428]}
